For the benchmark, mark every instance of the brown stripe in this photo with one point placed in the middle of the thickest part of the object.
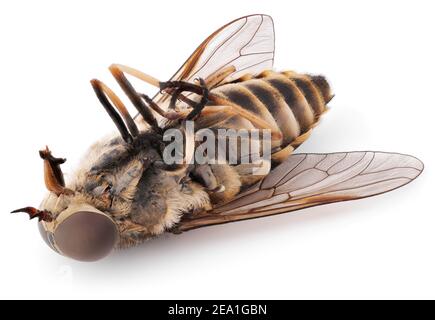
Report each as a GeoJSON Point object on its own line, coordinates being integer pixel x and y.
{"type": "Point", "coordinates": [256, 120]}
{"type": "Point", "coordinates": [294, 99]}
{"type": "Point", "coordinates": [312, 94]}
{"type": "Point", "coordinates": [276, 105]}
{"type": "Point", "coordinates": [241, 96]}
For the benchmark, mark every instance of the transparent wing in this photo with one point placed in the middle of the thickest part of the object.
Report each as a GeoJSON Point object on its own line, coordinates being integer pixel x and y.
{"type": "Point", "coordinates": [247, 45]}
{"type": "Point", "coordinates": [306, 180]}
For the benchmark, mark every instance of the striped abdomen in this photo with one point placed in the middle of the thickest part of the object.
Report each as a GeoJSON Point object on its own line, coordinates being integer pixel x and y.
{"type": "Point", "coordinates": [291, 103]}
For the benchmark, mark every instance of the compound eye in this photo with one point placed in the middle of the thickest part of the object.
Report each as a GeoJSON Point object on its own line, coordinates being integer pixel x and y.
{"type": "Point", "coordinates": [86, 236]}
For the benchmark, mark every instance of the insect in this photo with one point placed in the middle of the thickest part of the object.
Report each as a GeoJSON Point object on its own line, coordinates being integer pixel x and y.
{"type": "Point", "coordinates": [123, 193]}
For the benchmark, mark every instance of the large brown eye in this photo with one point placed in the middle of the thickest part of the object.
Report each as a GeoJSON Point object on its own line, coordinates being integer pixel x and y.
{"type": "Point", "coordinates": [86, 236]}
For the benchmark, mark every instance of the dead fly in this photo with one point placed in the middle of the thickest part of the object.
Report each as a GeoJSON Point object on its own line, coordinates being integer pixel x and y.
{"type": "Point", "coordinates": [124, 193]}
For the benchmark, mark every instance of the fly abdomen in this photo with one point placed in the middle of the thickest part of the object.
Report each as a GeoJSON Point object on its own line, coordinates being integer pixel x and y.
{"type": "Point", "coordinates": [242, 96]}
{"type": "Point", "coordinates": [311, 92]}
{"type": "Point", "coordinates": [295, 100]}
{"type": "Point", "coordinates": [277, 106]}
{"type": "Point", "coordinates": [292, 103]}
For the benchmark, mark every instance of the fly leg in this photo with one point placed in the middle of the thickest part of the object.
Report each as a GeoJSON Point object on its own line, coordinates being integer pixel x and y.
{"type": "Point", "coordinates": [178, 94]}
{"type": "Point", "coordinates": [204, 100]}
{"type": "Point", "coordinates": [118, 71]}
{"type": "Point", "coordinates": [180, 86]}
{"type": "Point", "coordinates": [212, 114]}
{"type": "Point", "coordinates": [170, 115]}
{"type": "Point", "coordinates": [206, 177]}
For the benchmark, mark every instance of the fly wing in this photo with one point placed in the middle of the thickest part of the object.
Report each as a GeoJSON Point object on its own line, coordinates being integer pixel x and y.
{"type": "Point", "coordinates": [306, 180]}
{"type": "Point", "coordinates": [243, 46]}
{"type": "Point", "coordinates": [247, 43]}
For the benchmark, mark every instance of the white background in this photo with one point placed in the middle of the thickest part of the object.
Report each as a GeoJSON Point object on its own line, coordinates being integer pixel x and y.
{"type": "Point", "coordinates": [379, 58]}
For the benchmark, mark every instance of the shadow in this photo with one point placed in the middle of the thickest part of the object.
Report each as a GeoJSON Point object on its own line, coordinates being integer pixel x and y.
{"type": "Point", "coordinates": [168, 253]}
